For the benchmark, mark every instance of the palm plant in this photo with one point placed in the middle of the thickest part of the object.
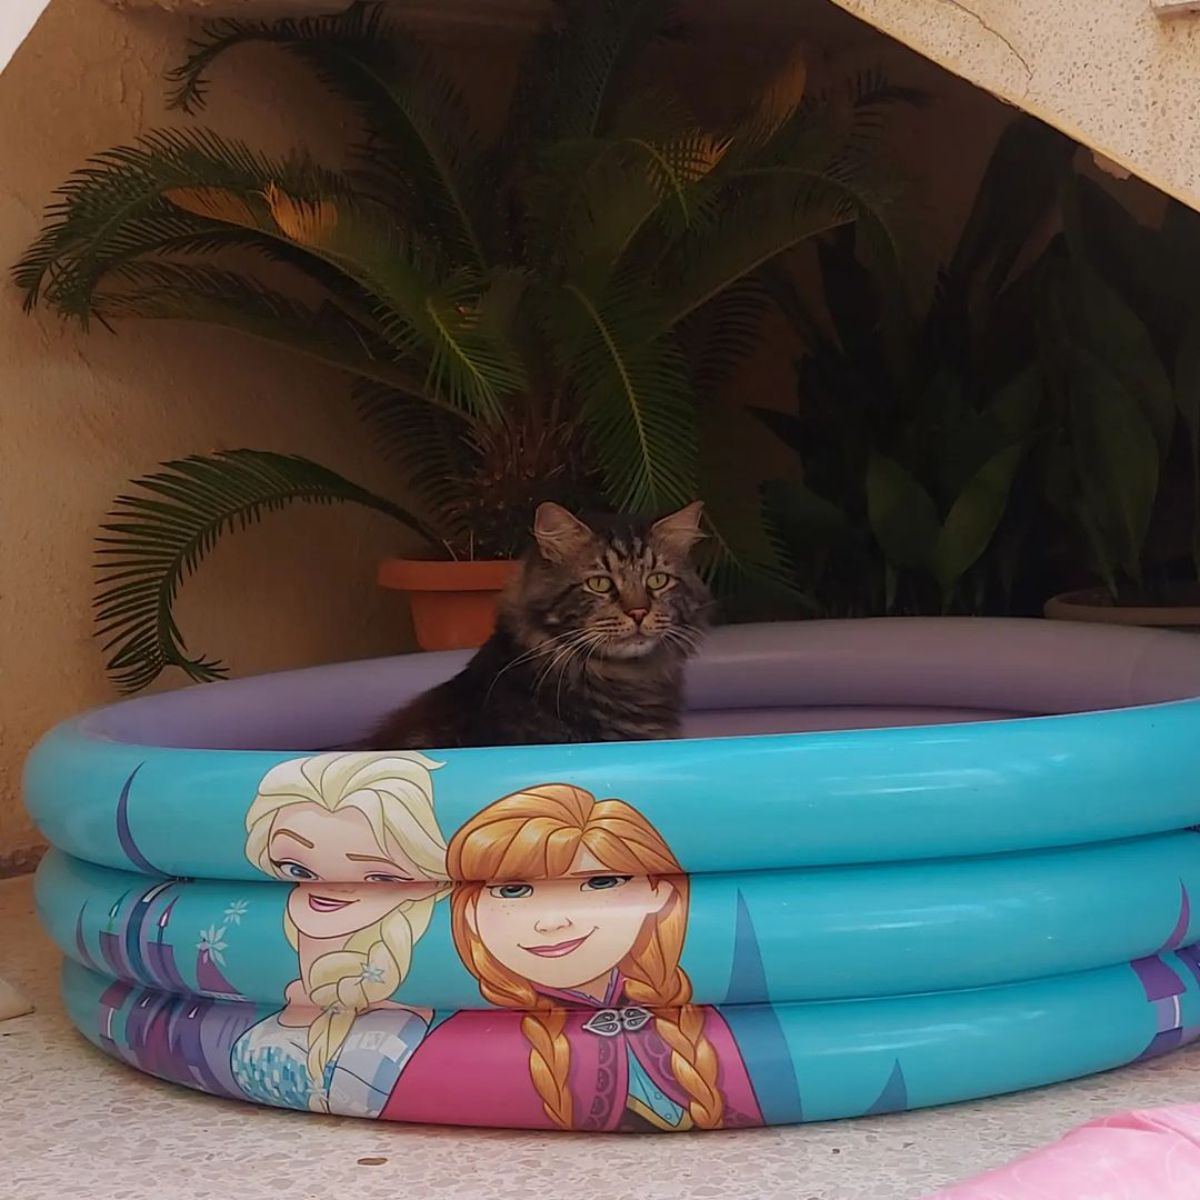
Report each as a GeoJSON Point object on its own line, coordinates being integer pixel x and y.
{"type": "Point", "coordinates": [515, 315]}
{"type": "Point", "coordinates": [919, 432]}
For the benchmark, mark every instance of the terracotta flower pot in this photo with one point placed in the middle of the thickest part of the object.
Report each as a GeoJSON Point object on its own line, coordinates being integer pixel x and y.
{"type": "Point", "coordinates": [453, 603]}
{"type": "Point", "coordinates": [1096, 605]}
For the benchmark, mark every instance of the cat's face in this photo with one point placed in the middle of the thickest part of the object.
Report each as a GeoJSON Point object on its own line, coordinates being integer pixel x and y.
{"type": "Point", "coordinates": [616, 589]}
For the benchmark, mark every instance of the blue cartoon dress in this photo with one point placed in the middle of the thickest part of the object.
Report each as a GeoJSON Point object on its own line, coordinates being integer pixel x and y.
{"type": "Point", "coordinates": [270, 1063]}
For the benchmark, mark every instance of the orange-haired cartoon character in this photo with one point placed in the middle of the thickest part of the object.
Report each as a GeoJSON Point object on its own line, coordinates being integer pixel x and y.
{"type": "Point", "coordinates": [572, 912]}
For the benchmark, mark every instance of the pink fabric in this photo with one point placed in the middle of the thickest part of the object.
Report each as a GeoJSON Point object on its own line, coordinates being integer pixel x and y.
{"type": "Point", "coordinates": [473, 1069]}
{"type": "Point", "coordinates": [1149, 1154]}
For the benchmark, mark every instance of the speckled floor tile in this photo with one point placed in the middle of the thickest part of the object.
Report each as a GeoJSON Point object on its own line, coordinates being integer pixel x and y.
{"type": "Point", "coordinates": [74, 1123]}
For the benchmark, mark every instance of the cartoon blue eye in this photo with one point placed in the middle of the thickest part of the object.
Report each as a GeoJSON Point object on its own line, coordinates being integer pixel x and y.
{"type": "Point", "coordinates": [511, 891]}
{"type": "Point", "coordinates": [378, 878]}
{"type": "Point", "coordinates": [604, 883]}
{"type": "Point", "coordinates": [293, 870]}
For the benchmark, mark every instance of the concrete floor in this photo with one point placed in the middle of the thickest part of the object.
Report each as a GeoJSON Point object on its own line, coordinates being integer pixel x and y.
{"type": "Point", "coordinates": [74, 1123]}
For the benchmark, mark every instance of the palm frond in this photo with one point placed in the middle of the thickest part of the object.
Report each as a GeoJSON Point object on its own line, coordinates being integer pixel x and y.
{"type": "Point", "coordinates": [599, 196]}
{"type": "Point", "coordinates": [418, 313]}
{"type": "Point", "coordinates": [637, 404]}
{"type": "Point", "coordinates": [216, 296]}
{"type": "Point", "coordinates": [116, 208]}
{"type": "Point", "coordinates": [426, 444]}
{"type": "Point", "coordinates": [723, 334]}
{"type": "Point", "coordinates": [158, 535]}
{"type": "Point", "coordinates": [417, 119]}
{"type": "Point", "coordinates": [469, 362]}
{"type": "Point", "coordinates": [842, 124]}
{"type": "Point", "coordinates": [755, 227]}
{"type": "Point", "coordinates": [577, 70]}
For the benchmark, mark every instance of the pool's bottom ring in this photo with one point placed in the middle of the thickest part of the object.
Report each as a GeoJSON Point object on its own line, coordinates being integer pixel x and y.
{"type": "Point", "coordinates": [629, 1069]}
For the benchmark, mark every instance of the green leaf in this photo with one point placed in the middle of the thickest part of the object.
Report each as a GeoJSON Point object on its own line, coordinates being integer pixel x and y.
{"type": "Point", "coordinates": [426, 444]}
{"type": "Point", "coordinates": [1110, 330]}
{"type": "Point", "coordinates": [189, 292]}
{"type": "Point", "coordinates": [1138, 260]}
{"type": "Point", "coordinates": [973, 517]}
{"type": "Point", "coordinates": [1015, 407]}
{"type": "Point", "coordinates": [418, 118]}
{"type": "Point", "coordinates": [578, 68]}
{"type": "Point", "coordinates": [1116, 460]}
{"type": "Point", "coordinates": [723, 335]}
{"type": "Point", "coordinates": [600, 203]}
{"type": "Point", "coordinates": [115, 209]}
{"type": "Point", "coordinates": [902, 516]}
{"type": "Point", "coordinates": [758, 224]}
{"type": "Point", "coordinates": [158, 535]}
{"type": "Point", "coordinates": [637, 400]}
{"type": "Point", "coordinates": [1017, 191]}
{"type": "Point", "coordinates": [808, 522]}
{"type": "Point", "coordinates": [420, 311]}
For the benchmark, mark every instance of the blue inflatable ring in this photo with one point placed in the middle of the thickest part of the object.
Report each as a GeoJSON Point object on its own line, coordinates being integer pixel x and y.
{"type": "Point", "coordinates": [892, 864]}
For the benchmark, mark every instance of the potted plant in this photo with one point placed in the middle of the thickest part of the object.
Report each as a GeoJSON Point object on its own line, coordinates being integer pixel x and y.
{"type": "Point", "coordinates": [917, 433]}
{"type": "Point", "coordinates": [1023, 428]}
{"type": "Point", "coordinates": [513, 313]}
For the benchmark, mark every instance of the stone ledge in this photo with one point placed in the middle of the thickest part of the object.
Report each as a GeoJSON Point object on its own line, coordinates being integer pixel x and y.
{"type": "Point", "coordinates": [1175, 8]}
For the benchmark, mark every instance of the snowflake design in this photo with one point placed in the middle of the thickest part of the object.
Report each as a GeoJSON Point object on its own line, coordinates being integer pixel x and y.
{"type": "Point", "coordinates": [235, 912]}
{"type": "Point", "coordinates": [212, 943]}
{"type": "Point", "coordinates": [372, 973]}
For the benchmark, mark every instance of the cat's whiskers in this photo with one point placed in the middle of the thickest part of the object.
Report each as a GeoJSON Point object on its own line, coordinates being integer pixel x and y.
{"type": "Point", "coordinates": [687, 639]}
{"type": "Point", "coordinates": [580, 638]}
{"type": "Point", "coordinates": [563, 658]}
{"type": "Point", "coordinates": [545, 647]}
{"type": "Point", "coordinates": [587, 647]}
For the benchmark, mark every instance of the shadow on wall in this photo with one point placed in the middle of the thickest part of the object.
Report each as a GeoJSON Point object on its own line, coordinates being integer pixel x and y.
{"type": "Point", "coordinates": [82, 412]}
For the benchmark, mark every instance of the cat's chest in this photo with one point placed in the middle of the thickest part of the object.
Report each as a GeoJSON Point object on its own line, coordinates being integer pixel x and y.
{"type": "Point", "coordinates": [586, 708]}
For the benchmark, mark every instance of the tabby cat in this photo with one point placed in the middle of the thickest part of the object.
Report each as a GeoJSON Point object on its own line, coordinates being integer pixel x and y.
{"type": "Point", "coordinates": [590, 642]}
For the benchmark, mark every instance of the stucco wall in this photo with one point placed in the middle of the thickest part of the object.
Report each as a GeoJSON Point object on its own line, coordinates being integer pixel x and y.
{"type": "Point", "coordinates": [1111, 73]}
{"type": "Point", "coordinates": [80, 412]}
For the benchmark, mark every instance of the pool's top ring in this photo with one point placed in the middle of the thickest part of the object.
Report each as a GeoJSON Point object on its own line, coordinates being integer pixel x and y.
{"type": "Point", "coordinates": [163, 783]}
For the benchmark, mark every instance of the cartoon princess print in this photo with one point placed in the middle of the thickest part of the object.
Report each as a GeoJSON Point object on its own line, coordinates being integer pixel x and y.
{"type": "Point", "coordinates": [358, 836]}
{"type": "Point", "coordinates": [574, 911]}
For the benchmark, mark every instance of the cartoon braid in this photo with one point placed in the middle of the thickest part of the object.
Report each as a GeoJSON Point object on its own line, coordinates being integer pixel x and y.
{"type": "Point", "coordinates": [550, 1061]}
{"type": "Point", "coordinates": [656, 981]}
{"type": "Point", "coordinates": [543, 1025]}
{"type": "Point", "coordinates": [693, 1062]}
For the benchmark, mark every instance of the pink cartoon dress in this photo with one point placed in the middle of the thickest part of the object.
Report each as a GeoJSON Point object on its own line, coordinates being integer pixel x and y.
{"type": "Point", "coordinates": [474, 1069]}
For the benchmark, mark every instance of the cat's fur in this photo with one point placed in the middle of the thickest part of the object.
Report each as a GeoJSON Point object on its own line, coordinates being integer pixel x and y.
{"type": "Point", "coordinates": [568, 663]}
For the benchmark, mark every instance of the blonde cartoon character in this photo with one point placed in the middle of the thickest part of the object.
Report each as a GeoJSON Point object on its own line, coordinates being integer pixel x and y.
{"type": "Point", "coordinates": [572, 912]}
{"type": "Point", "coordinates": [357, 835]}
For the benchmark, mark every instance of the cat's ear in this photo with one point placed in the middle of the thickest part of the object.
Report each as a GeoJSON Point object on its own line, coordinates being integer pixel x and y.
{"type": "Point", "coordinates": [679, 532]}
{"type": "Point", "coordinates": [559, 533]}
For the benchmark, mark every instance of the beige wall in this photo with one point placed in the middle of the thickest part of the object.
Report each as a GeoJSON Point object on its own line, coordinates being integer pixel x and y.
{"type": "Point", "coordinates": [1111, 73]}
{"type": "Point", "coordinates": [80, 413]}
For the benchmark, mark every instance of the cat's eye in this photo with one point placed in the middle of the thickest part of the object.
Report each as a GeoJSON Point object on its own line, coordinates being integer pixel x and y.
{"type": "Point", "coordinates": [657, 580]}
{"type": "Point", "coordinates": [600, 584]}
{"type": "Point", "coordinates": [511, 891]}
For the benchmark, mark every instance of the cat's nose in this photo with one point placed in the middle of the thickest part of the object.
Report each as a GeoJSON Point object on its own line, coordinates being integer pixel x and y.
{"type": "Point", "coordinates": [638, 615]}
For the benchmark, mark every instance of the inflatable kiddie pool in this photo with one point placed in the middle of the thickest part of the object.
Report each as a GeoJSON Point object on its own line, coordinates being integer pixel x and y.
{"type": "Point", "coordinates": [893, 864]}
